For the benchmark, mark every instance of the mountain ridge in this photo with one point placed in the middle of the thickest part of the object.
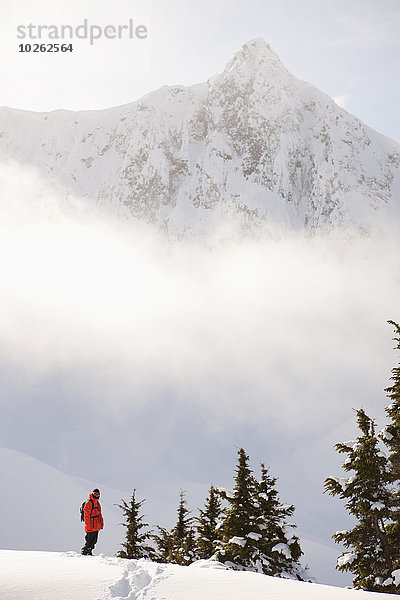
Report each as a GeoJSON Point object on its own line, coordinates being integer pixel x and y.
{"type": "Point", "coordinates": [253, 146]}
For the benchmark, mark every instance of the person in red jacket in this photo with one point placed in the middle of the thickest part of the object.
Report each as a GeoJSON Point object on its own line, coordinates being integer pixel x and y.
{"type": "Point", "coordinates": [93, 521]}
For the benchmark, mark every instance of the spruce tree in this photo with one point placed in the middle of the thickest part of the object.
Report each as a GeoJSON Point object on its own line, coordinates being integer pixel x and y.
{"type": "Point", "coordinates": [278, 548]}
{"type": "Point", "coordinates": [135, 545]}
{"type": "Point", "coordinates": [390, 435]}
{"type": "Point", "coordinates": [368, 498]}
{"type": "Point", "coordinates": [237, 546]}
{"type": "Point", "coordinates": [208, 528]}
{"type": "Point", "coordinates": [183, 540]}
{"type": "Point", "coordinates": [164, 543]}
{"type": "Point", "coordinates": [256, 535]}
{"type": "Point", "coordinates": [178, 545]}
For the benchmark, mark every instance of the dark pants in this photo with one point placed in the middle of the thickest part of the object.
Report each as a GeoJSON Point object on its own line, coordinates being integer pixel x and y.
{"type": "Point", "coordinates": [90, 542]}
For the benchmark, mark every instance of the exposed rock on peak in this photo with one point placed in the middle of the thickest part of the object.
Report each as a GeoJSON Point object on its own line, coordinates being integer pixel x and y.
{"type": "Point", "coordinates": [253, 144]}
{"type": "Point", "coordinates": [255, 54]}
{"type": "Point", "coordinates": [256, 65]}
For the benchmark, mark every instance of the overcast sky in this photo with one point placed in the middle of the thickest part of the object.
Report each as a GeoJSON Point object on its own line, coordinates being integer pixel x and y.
{"type": "Point", "coordinates": [347, 48]}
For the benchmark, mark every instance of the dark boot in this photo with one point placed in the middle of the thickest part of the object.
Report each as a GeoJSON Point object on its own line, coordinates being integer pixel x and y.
{"type": "Point", "coordinates": [91, 539]}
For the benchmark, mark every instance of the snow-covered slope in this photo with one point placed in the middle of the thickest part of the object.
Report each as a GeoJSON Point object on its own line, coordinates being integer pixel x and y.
{"type": "Point", "coordinates": [39, 510]}
{"type": "Point", "coordinates": [41, 576]}
{"type": "Point", "coordinates": [39, 507]}
{"type": "Point", "coordinates": [253, 144]}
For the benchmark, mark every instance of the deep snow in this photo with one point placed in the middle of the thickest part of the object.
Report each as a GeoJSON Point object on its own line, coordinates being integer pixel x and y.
{"type": "Point", "coordinates": [70, 576]}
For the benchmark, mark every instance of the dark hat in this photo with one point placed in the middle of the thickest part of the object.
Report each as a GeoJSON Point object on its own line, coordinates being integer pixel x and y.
{"type": "Point", "coordinates": [96, 491]}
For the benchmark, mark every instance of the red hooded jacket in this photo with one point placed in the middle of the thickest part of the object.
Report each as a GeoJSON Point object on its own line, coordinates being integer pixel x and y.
{"type": "Point", "coordinates": [92, 513]}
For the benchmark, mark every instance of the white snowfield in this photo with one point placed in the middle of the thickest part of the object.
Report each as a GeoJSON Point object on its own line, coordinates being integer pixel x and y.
{"type": "Point", "coordinates": [26, 575]}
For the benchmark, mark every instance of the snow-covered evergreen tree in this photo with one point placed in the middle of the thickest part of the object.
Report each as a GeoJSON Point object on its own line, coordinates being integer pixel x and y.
{"type": "Point", "coordinates": [164, 544]}
{"type": "Point", "coordinates": [368, 498]}
{"type": "Point", "coordinates": [278, 548]}
{"type": "Point", "coordinates": [209, 525]}
{"type": "Point", "coordinates": [390, 436]}
{"type": "Point", "coordinates": [178, 545]}
{"type": "Point", "coordinates": [135, 545]}
{"type": "Point", "coordinates": [391, 433]}
{"type": "Point", "coordinates": [183, 538]}
{"type": "Point", "coordinates": [256, 535]}
{"type": "Point", "coordinates": [237, 546]}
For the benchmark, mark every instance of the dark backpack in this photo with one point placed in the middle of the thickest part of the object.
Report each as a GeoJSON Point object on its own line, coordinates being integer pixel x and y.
{"type": "Point", "coordinates": [83, 506]}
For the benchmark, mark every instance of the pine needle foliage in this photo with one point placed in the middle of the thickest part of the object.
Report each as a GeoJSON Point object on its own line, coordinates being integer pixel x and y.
{"type": "Point", "coordinates": [135, 545]}
{"type": "Point", "coordinates": [367, 493]}
{"type": "Point", "coordinates": [209, 525]}
{"type": "Point", "coordinates": [235, 549]}
{"type": "Point", "coordinates": [279, 548]}
{"type": "Point", "coordinates": [390, 435]}
{"type": "Point", "coordinates": [164, 545]}
{"type": "Point", "coordinates": [177, 546]}
{"type": "Point", "coordinates": [255, 527]}
{"type": "Point", "coordinates": [183, 538]}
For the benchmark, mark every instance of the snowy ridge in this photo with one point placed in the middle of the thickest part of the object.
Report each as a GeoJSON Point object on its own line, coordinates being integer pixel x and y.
{"type": "Point", "coordinates": [253, 145]}
{"type": "Point", "coordinates": [44, 575]}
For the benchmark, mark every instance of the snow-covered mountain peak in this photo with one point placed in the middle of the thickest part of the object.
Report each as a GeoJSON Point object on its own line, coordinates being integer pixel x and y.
{"type": "Point", "coordinates": [253, 145]}
{"type": "Point", "coordinates": [255, 52]}
{"type": "Point", "coordinates": [254, 61]}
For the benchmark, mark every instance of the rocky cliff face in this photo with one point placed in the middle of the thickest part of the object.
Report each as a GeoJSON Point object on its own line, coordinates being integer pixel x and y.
{"type": "Point", "coordinates": [253, 144]}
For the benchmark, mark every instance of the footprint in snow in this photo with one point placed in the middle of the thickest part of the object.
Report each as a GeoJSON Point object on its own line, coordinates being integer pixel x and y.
{"type": "Point", "coordinates": [121, 589]}
{"type": "Point", "coordinates": [130, 585]}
